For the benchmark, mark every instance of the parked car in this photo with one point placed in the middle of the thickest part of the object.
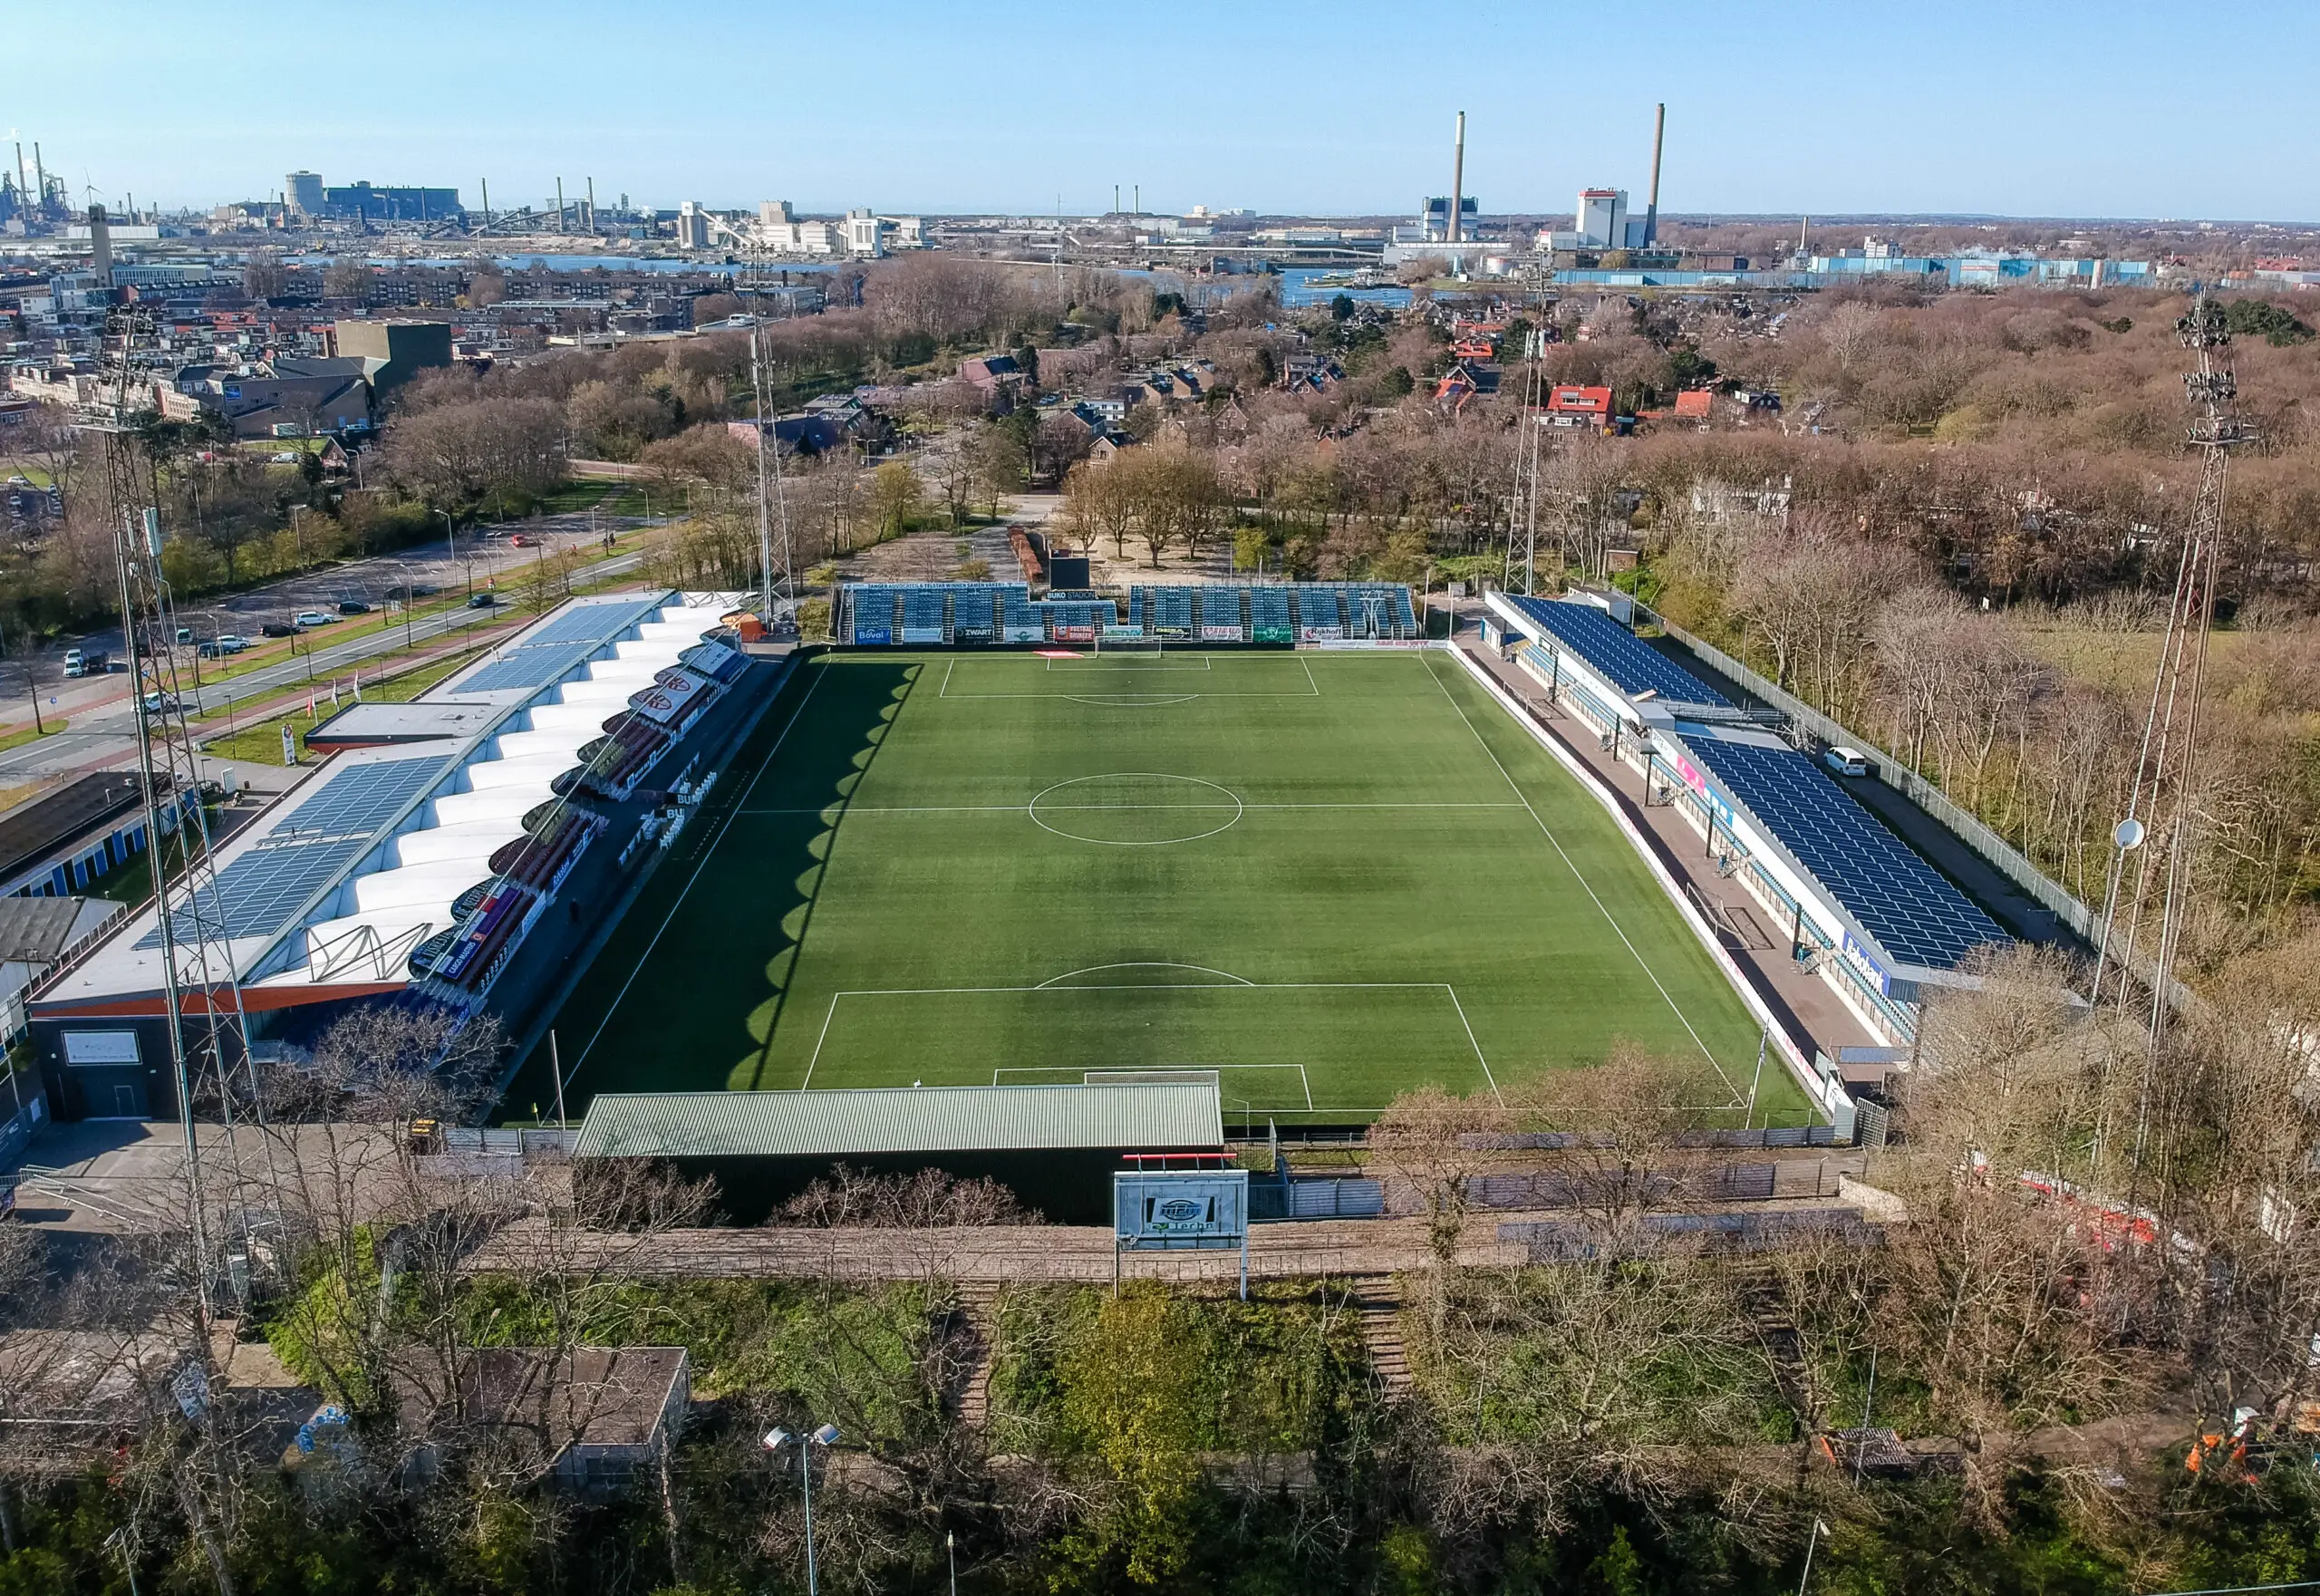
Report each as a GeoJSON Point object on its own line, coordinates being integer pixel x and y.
{"type": "Point", "coordinates": [226, 643]}
{"type": "Point", "coordinates": [404, 594]}
{"type": "Point", "coordinates": [353, 606]}
{"type": "Point", "coordinates": [484, 600]}
{"type": "Point", "coordinates": [85, 661]}
{"type": "Point", "coordinates": [286, 457]}
{"type": "Point", "coordinates": [315, 618]}
{"type": "Point", "coordinates": [277, 629]}
{"type": "Point", "coordinates": [20, 480]}
{"type": "Point", "coordinates": [184, 635]}
{"type": "Point", "coordinates": [1846, 761]}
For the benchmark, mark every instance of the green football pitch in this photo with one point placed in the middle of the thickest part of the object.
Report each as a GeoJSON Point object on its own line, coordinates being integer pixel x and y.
{"type": "Point", "coordinates": [1328, 877]}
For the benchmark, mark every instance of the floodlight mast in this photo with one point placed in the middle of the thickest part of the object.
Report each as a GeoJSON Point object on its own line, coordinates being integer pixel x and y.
{"type": "Point", "coordinates": [776, 587]}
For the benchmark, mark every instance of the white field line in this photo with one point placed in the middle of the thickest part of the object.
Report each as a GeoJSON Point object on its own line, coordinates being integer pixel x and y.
{"type": "Point", "coordinates": [1548, 832]}
{"type": "Point", "coordinates": [1097, 1076]}
{"type": "Point", "coordinates": [1024, 808]}
{"type": "Point", "coordinates": [1096, 663]}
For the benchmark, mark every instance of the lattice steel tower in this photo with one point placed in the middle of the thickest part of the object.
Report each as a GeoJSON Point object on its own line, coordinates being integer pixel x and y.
{"type": "Point", "coordinates": [208, 1041]}
{"type": "Point", "coordinates": [2155, 840]}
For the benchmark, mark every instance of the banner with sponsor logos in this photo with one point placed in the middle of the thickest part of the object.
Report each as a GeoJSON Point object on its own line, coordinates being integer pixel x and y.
{"type": "Point", "coordinates": [671, 696]}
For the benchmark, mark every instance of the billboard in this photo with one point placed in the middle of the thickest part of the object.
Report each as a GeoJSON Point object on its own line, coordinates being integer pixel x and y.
{"type": "Point", "coordinates": [1220, 633]}
{"type": "Point", "coordinates": [1206, 1208]}
{"type": "Point", "coordinates": [1698, 782]}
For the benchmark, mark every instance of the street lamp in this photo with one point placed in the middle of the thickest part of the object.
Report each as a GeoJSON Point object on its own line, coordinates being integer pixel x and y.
{"type": "Point", "coordinates": [827, 1437]}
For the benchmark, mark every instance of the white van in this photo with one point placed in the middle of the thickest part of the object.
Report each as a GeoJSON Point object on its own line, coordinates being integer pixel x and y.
{"type": "Point", "coordinates": [1846, 761]}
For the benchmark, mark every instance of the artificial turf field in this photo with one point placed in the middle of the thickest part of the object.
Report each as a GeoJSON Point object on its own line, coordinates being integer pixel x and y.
{"type": "Point", "coordinates": [1329, 877]}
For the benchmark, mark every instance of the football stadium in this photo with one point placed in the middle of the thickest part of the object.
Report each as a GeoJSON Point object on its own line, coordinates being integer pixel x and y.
{"type": "Point", "coordinates": [1268, 840]}
{"type": "Point", "coordinates": [1320, 877]}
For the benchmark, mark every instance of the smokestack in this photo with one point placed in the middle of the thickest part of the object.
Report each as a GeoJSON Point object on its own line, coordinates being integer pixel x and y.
{"type": "Point", "coordinates": [100, 247]}
{"type": "Point", "coordinates": [1652, 215]}
{"type": "Point", "coordinates": [559, 207]}
{"type": "Point", "coordinates": [592, 205]}
{"type": "Point", "coordinates": [41, 172]}
{"type": "Point", "coordinates": [487, 202]}
{"type": "Point", "coordinates": [1458, 180]}
{"type": "Point", "coordinates": [20, 191]}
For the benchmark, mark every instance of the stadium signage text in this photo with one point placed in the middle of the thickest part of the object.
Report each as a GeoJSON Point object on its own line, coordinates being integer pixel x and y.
{"type": "Point", "coordinates": [1858, 957]}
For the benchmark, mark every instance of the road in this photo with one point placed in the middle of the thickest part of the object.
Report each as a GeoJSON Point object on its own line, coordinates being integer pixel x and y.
{"type": "Point", "coordinates": [103, 732]}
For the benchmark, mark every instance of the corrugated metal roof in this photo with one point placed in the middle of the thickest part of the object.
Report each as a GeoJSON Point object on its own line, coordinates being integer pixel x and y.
{"type": "Point", "coordinates": [907, 1119]}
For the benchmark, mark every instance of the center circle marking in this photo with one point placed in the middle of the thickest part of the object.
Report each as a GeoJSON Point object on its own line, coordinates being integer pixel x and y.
{"type": "Point", "coordinates": [1136, 809]}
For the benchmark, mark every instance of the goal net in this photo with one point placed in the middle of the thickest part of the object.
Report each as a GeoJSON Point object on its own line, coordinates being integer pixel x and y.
{"type": "Point", "coordinates": [1128, 646]}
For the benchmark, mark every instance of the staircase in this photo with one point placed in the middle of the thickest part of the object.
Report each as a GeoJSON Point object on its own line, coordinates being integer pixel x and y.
{"type": "Point", "coordinates": [1377, 1298]}
{"type": "Point", "coordinates": [1766, 1307]}
{"type": "Point", "coordinates": [977, 1334]}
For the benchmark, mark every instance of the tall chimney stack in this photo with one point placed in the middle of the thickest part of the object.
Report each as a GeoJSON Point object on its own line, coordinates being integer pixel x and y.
{"type": "Point", "coordinates": [1652, 215]}
{"type": "Point", "coordinates": [100, 247]}
{"type": "Point", "coordinates": [1458, 182]}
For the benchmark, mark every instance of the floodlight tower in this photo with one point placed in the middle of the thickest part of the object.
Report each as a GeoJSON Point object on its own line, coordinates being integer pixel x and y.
{"type": "Point", "coordinates": [777, 589]}
{"type": "Point", "coordinates": [2155, 840]}
{"type": "Point", "coordinates": [199, 985]}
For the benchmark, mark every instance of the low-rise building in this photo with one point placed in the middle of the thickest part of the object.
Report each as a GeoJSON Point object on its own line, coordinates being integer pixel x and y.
{"type": "Point", "coordinates": [591, 1418]}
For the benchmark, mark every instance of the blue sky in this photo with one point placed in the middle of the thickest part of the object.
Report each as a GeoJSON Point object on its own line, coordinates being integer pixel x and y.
{"type": "Point", "coordinates": [2033, 108]}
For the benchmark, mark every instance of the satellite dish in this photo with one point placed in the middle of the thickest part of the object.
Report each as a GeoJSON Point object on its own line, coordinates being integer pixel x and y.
{"type": "Point", "coordinates": [2129, 835]}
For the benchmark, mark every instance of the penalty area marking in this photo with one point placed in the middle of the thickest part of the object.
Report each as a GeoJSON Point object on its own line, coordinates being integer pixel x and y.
{"type": "Point", "coordinates": [1149, 700]}
{"type": "Point", "coordinates": [823, 1037]}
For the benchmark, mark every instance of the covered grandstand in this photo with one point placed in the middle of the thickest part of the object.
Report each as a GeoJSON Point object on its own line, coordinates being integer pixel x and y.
{"type": "Point", "coordinates": [920, 614]}
{"type": "Point", "coordinates": [1856, 901]}
{"type": "Point", "coordinates": [417, 859]}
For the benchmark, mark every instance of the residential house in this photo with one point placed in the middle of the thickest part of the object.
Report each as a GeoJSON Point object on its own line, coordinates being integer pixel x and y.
{"type": "Point", "coordinates": [1578, 407]}
{"type": "Point", "coordinates": [1315, 372]}
{"type": "Point", "coordinates": [805, 432]}
{"type": "Point", "coordinates": [1464, 379]}
{"type": "Point", "coordinates": [994, 373]}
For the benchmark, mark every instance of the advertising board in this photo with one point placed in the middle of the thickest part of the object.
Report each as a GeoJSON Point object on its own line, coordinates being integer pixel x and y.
{"type": "Point", "coordinates": [1206, 1208]}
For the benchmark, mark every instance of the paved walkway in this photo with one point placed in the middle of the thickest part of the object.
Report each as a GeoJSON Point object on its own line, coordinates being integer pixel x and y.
{"type": "Point", "coordinates": [1046, 1253]}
